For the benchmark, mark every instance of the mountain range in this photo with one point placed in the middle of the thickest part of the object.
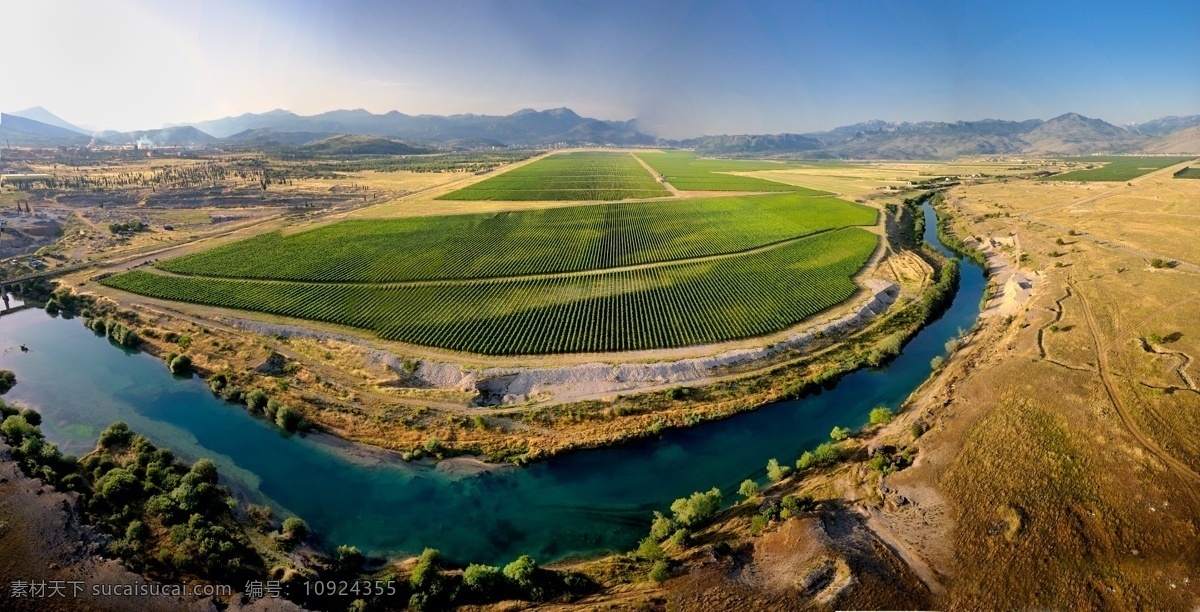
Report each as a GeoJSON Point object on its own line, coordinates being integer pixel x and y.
{"type": "Point", "coordinates": [1068, 134]}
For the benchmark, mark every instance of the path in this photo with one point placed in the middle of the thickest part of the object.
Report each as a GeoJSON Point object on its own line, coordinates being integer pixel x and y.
{"type": "Point", "coordinates": [1190, 478]}
{"type": "Point", "coordinates": [675, 192]}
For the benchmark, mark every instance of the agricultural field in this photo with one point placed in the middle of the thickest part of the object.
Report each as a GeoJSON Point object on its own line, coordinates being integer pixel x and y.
{"type": "Point", "coordinates": [590, 175]}
{"type": "Point", "coordinates": [686, 172]}
{"type": "Point", "coordinates": [1192, 172]}
{"type": "Point", "coordinates": [1115, 168]}
{"type": "Point", "coordinates": [667, 305]}
{"type": "Point", "coordinates": [527, 242]}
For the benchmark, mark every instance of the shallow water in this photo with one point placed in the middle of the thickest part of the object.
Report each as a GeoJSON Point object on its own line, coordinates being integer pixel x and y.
{"type": "Point", "coordinates": [582, 503]}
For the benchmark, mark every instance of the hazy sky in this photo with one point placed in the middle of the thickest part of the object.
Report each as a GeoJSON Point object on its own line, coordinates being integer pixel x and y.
{"type": "Point", "coordinates": [682, 68]}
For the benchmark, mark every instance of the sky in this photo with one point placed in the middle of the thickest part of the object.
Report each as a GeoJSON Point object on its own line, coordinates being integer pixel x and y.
{"type": "Point", "coordinates": [682, 68]}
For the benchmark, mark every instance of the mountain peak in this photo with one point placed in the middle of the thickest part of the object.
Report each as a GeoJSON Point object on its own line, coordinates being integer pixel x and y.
{"type": "Point", "coordinates": [40, 114]}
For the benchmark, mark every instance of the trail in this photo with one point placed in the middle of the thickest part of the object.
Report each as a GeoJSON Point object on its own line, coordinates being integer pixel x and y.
{"type": "Point", "coordinates": [914, 561]}
{"type": "Point", "coordinates": [1190, 478]}
{"type": "Point", "coordinates": [675, 192]}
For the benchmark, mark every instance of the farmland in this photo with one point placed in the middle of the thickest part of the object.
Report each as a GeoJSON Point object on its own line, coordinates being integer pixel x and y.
{"type": "Point", "coordinates": [1189, 173]}
{"type": "Point", "coordinates": [527, 242]}
{"type": "Point", "coordinates": [591, 175]}
{"type": "Point", "coordinates": [687, 172]}
{"type": "Point", "coordinates": [1116, 168]}
{"type": "Point", "coordinates": [674, 304]}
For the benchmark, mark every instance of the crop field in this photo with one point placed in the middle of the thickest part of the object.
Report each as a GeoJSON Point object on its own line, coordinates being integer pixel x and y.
{"type": "Point", "coordinates": [527, 242]}
{"type": "Point", "coordinates": [591, 175]}
{"type": "Point", "coordinates": [1116, 168]}
{"type": "Point", "coordinates": [1189, 173]}
{"type": "Point", "coordinates": [668, 305]}
{"type": "Point", "coordinates": [689, 173]}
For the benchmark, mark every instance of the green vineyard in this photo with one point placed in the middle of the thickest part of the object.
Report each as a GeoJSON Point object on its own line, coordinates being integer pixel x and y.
{"type": "Point", "coordinates": [591, 175]}
{"type": "Point", "coordinates": [686, 172]}
{"type": "Point", "coordinates": [665, 305]}
{"type": "Point", "coordinates": [522, 243]}
{"type": "Point", "coordinates": [1115, 168]}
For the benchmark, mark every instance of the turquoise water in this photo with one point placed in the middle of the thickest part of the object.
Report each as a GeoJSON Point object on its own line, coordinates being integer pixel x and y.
{"type": "Point", "coordinates": [579, 504]}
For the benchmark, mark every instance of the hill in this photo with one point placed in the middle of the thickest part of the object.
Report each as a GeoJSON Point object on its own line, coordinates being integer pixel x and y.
{"type": "Point", "coordinates": [17, 131]}
{"type": "Point", "coordinates": [1073, 133]}
{"type": "Point", "coordinates": [181, 136]}
{"type": "Point", "coordinates": [343, 144]}
{"type": "Point", "coordinates": [42, 115]}
{"type": "Point", "coordinates": [525, 127]}
{"type": "Point", "coordinates": [266, 137]}
{"type": "Point", "coordinates": [751, 143]}
{"type": "Point", "coordinates": [1186, 141]}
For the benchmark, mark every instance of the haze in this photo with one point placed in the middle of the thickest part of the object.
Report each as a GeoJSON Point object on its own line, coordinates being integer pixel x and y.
{"type": "Point", "coordinates": [681, 68]}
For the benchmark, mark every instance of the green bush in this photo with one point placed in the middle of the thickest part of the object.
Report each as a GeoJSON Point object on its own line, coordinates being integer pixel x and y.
{"type": "Point", "coordinates": [522, 574]}
{"type": "Point", "coordinates": [777, 472]}
{"type": "Point", "coordinates": [649, 550]}
{"type": "Point", "coordinates": [272, 408]}
{"type": "Point", "coordinates": [295, 529]}
{"type": "Point", "coordinates": [7, 381]}
{"type": "Point", "coordinates": [696, 508]}
{"type": "Point", "coordinates": [792, 505]}
{"type": "Point", "coordinates": [748, 489]}
{"type": "Point", "coordinates": [662, 527]}
{"type": "Point", "coordinates": [482, 581]}
{"type": "Point", "coordinates": [840, 433]}
{"type": "Point", "coordinates": [180, 364]}
{"type": "Point", "coordinates": [287, 418]}
{"type": "Point", "coordinates": [659, 572]}
{"type": "Point", "coordinates": [347, 560]}
{"type": "Point", "coordinates": [881, 415]}
{"type": "Point", "coordinates": [256, 400]}
{"type": "Point", "coordinates": [824, 454]}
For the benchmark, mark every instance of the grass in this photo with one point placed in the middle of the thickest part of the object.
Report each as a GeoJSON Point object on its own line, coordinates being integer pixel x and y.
{"type": "Point", "coordinates": [1192, 172]}
{"type": "Point", "coordinates": [590, 175]}
{"type": "Point", "coordinates": [689, 173]}
{"type": "Point", "coordinates": [528, 242]}
{"type": "Point", "coordinates": [1116, 168]}
{"type": "Point", "coordinates": [672, 305]}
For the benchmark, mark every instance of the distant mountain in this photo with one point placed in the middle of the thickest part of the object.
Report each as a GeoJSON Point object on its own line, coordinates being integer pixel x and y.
{"type": "Point", "coordinates": [1166, 125]}
{"type": "Point", "coordinates": [266, 137]}
{"type": "Point", "coordinates": [1070, 134]}
{"type": "Point", "coordinates": [343, 144]}
{"type": "Point", "coordinates": [1185, 141]}
{"type": "Point", "coordinates": [17, 131]}
{"type": "Point", "coordinates": [180, 136]}
{"type": "Point", "coordinates": [1073, 133]}
{"type": "Point", "coordinates": [751, 144]}
{"type": "Point", "coordinates": [42, 115]}
{"type": "Point", "coordinates": [524, 127]}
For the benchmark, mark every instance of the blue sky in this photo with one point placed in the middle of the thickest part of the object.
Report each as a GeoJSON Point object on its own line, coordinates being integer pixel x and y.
{"type": "Point", "coordinates": [681, 68]}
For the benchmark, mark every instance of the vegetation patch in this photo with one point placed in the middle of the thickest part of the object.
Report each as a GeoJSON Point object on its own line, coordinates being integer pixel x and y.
{"type": "Point", "coordinates": [1115, 168]}
{"type": "Point", "coordinates": [690, 173]}
{"type": "Point", "coordinates": [590, 175]}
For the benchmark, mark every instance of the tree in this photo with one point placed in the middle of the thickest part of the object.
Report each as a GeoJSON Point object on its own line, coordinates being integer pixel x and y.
{"type": "Point", "coordinates": [777, 472]}
{"type": "Point", "coordinates": [347, 560]}
{"type": "Point", "coordinates": [823, 454]}
{"type": "Point", "coordinates": [522, 573]}
{"type": "Point", "coordinates": [659, 572]}
{"type": "Point", "coordinates": [650, 550]}
{"type": "Point", "coordinates": [749, 489]}
{"type": "Point", "coordinates": [881, 416]}
{"type": "Point", "coordinates": [840, 433]}
{"type": "Point", "coordinates": [32, 416]}
{"type": "Point", "coordinates": [117, 434]}
{"type": "Point", "coordinates": [181, 364]}
{"type": "Point", "coordinates": [287, 418]}
{"type": "Point", "coordinates": [696, 508]}
{"type": "Point", "coordinates": [16, 429]}
{"type": "Point", "coordinates": [434, 446]}
{"type": "Point", "coordinates": [205, 470]}
{"type": "Point", "coordinates": [482, 580]}
{"type": "Point", "coordinates": [662, 527]}
{"type": "Point", "coordinates": [295, 529]}
{"type": "Point", "coordinates": [256, 400]}
{"type": "Point", "coordinates": [7, 381]}
{"type": "Point", "coordinates": [425, 572]}
{"type": "Point", "coordinates": [1151, 339]}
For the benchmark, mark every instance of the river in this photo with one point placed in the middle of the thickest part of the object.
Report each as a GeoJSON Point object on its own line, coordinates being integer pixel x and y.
{"type": "Point", "coordinates": [579, 504]}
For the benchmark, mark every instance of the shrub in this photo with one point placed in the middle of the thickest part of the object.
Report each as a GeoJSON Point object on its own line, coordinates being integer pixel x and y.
{"type": "Point", "coordinates": [758, 523]}
{"type": "Point", "coordinates": [881, 416]}
{"type": "Point", "coordinates": [1154, 263]}
{"type": "Point", "coordinates": [434, 446]}
{"type": "Point", "coordinates": [425, 572]}
{"type": "Point", "coordinates": [662, 527]}
{"type": "Point", "coordinates": [659, 572]}
{"type": "Point", "coordinates": [840, 433]}
{"type": "Point", "coordinates": [650, 550]}
{"type": "Point", "coordinates": [936, 362]}
{"type": "Point", "coordinates": [481, 581]}
{"type": "Point", "coordinates": [1154, 339]}
{"type": "Point", "coordinates": [522, 573]}
{"type": "Point", "coordinates": [696, 508]}
{"type": "Point", "coordinates": [792, 505]}
{"type": "Point", "coordinates": [7, 380]}
{"type": "Point", "coordinates": [31, 416]}
{"type": "Point", "coordinates": [679, 539]}
{"type": "Point", "coordinates": [205, 470]}
{"type": "Point", "coordinates": [823, 454]}
{"type": "Point", "coordinates": [749, 489]}
{"type": "Point", "coordinates": [115, 435]}
{"type": "Point", "coordinates": [287, 418]}
{"type": "Point", "coordinates": [295, 529]}
{"type": "Point", "coordinates": [180, 364]}
{"type": "Point", "coordinates": [777, 472]}
{"type": "Point", "coordinates": [347, 560]}
{"type": "Point", "coordinates": [256, 400]}
{"type": "Point", "coordinates": [16, 429]}
{"type": "Point", "coordinates": [916, 429]}
{"type": "Point", "coordinates": [272, 408]}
